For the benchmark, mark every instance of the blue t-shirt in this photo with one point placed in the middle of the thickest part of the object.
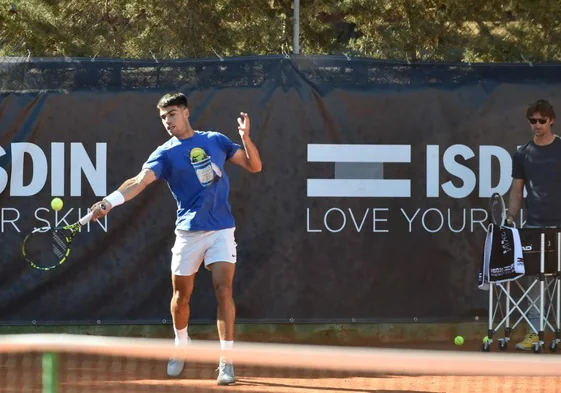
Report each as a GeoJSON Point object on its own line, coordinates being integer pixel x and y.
{"type": "Point", "coordinates": [197, 179]}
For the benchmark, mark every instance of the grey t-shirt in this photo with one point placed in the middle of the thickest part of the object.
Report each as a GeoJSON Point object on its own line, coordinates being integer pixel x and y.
{"type": "Point", "coordinates": [540, 167]}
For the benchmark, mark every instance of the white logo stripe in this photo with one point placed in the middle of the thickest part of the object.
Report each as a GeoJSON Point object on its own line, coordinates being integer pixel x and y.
{"type": "Point", "coordinates": [359, 153]}
{"type": "Point", "coordinates": [359, 188]}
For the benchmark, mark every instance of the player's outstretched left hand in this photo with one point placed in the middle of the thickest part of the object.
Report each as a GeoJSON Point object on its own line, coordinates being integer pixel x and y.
{"type": "Point", "coordinates": [244, 125]}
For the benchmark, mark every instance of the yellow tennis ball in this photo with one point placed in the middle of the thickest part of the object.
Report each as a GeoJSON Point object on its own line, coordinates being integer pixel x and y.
{"type": "Point", "coordinates": [485, 339]}
{"type": "Point", "coordinates": [56, 204]}
{"type": "Point", "coordinates": [459, 340]}
{"type": "Point", "coordinates": [197, 154]}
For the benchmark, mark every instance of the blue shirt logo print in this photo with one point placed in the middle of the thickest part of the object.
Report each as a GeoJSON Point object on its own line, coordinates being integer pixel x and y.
{"type": "Point", "coordinates": [203, 165]}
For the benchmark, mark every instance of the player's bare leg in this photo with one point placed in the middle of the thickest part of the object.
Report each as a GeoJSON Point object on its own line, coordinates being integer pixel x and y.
{"type": "Point", "coordinates": [222, 280]}
{"type": "Point", "coordinates": [182, 290]}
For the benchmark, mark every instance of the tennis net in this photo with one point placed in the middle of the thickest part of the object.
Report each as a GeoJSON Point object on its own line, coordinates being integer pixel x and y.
{"type": "Point", "coordinates": [50, 363]}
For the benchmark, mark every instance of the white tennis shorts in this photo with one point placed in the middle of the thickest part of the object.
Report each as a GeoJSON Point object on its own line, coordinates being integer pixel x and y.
{"type": "Point", "coordinates": [191, 248]}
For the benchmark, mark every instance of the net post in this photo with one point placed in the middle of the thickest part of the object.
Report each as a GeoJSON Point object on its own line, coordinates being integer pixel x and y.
{"type": "Point", "coordinates": [50, 372]}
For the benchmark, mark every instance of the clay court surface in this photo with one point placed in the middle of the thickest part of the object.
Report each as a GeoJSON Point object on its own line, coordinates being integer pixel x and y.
{"type": "Point", "coordinates": [88, 374]}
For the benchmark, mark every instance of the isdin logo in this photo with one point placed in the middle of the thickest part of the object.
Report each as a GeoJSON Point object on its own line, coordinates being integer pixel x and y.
{"type": "Point", "coordinates": [25, 168]}
{"type": "Point", "coordinates": [359, 170]}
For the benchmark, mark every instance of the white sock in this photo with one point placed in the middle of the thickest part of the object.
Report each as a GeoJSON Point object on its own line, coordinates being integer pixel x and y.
{"type": "Point", "coordinates": [225, 345]}
{"type": "Point", "coordinates": [181, 336]}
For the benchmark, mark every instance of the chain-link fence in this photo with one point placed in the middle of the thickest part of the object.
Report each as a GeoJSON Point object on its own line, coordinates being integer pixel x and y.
{"type": "Point", "coordinates": [11, 70]}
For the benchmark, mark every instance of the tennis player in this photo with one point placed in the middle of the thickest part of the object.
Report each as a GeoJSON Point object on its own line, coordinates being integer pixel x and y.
{"type": "Point", "coordinates": [537, 165]}
{"type": "Point", "coordinates": [192, 164]}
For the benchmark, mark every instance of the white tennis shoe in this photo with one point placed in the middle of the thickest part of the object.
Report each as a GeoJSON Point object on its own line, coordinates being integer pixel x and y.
{"type": "Point", "coordinates": [176, 366]}
{"type": "Point", "coordinates": [225, 372]}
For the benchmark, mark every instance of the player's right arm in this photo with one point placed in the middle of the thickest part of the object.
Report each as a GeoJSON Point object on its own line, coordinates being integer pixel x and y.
{"type": "Point", "coordinates": [134, 186]}
{"type": "Point", "coordinates": [127, 191]}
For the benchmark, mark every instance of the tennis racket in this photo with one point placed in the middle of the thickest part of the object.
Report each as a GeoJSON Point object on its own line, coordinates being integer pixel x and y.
{"type": "Point", "coordinates": [497, 209]}
{"type": "Point", "coordinates": [47, 248]}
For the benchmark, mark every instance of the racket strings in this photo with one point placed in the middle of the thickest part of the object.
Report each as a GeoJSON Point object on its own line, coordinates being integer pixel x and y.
{"type": "Point", "coordinates": [46, 249]}
{"type": "Point", "coordinates": [60, 244]}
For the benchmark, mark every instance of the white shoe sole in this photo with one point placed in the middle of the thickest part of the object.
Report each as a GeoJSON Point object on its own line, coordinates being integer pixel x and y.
{"type": "Point", "coordinates": [226, 382]}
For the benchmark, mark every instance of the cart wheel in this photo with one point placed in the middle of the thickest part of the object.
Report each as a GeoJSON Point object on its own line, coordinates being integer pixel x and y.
{"type": "Point", "coordinates": [553, 346]}
{"type": "Point", "coordinates": [537, 348]}
{"type": "Point", "coordinates": [503, 344]}
{"type": "Point", "coordinates": [486, 346]}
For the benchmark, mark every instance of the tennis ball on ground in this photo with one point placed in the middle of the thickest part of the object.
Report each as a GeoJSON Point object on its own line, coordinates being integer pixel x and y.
{"type": "Point", "coordinates": [459, 340]}
{"type": "Point", "coordinates": [56, 204]}
{"type": "Point", "coordinates": [197, 154]}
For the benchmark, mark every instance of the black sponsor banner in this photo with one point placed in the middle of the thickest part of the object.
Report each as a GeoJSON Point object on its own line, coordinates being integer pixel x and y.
{"type": "Point", "coordinates": [370, 206]}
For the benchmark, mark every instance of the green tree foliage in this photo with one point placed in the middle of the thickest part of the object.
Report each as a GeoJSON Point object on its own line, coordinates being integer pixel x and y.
{"type": "Point", "coordinates": [413, 30]}
{"type": "Point", "coordinates": [457, 30]}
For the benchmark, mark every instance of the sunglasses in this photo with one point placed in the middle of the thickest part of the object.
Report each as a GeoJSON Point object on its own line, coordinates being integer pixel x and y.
{"type": "Point", "coordinates": [534, 121]}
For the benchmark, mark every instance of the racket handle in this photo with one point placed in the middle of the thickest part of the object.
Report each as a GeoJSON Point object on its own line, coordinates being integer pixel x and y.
{"type": "Point", "coordinates": [87, 218]}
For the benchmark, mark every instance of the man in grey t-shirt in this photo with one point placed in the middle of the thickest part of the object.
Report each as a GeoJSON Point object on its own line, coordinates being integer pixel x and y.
{"type": "Point", "coordinates": [537, 166]}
